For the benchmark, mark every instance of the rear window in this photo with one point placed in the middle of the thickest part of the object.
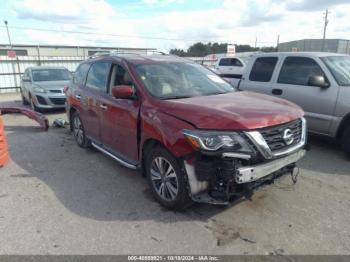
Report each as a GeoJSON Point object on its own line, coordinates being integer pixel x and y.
{"type": "Point", "coordinates": [263, 69]}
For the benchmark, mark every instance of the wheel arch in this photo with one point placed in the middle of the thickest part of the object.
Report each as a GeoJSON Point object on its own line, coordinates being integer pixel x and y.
{"type": "Point", "coordinates": [344, 123]}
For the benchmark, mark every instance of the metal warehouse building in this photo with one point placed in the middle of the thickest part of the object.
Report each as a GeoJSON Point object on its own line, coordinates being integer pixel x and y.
{"type": "Point", "coordinates": [81, 51]}
{"type": "Point", "coordinates": [13, 65]}
{"type": "Point", "coordinates": [316, 45]}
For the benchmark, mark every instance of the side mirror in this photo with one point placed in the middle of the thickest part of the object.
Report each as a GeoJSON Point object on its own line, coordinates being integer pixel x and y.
{"type": "Point", "coordinates": [317, 80]}
{"type": "Point", "coordinates": [26, 79]}
{"type": "Point", "coordinates": [123, 91]}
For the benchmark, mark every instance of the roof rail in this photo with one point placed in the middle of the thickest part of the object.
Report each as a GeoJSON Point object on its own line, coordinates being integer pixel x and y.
{"type": "Point", "coordinates": [121, 52]}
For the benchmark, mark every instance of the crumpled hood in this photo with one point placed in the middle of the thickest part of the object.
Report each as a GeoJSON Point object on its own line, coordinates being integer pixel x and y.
{"type": "Point", "coordinates": [232, 111]}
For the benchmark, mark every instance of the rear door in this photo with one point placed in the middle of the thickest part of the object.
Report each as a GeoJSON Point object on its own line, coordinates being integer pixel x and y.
{"type": "Point", "coordinates": [90, 98]}
{"type": "Point", "coordinates": [119, 118]}
{"type": "Point", "coordinates": [259, 78]}
{"type": "Point", "coordinates": [292, 84]}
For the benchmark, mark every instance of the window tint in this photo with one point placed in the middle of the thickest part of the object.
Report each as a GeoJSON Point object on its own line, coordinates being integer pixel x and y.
{"type": "Point", "coordinates": [230, 62]}
{"type": "Point", "coordinates": [97, 76]}
{"type": "Point", "coordinates": [120, 76]}
{"type": "Point", "coordinates": [263, 69]}
{"type": "Point", "coordinates": [80, 74]}
{"type": "Point", "coordinates": [297, 71]}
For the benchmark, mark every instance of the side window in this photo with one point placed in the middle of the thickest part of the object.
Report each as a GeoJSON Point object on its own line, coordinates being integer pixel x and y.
{"type": "Point", "coordinates": [263, 69]}
{"type": "Point", "coordinates": [120, 76]}
{"type": "Point", "coordinates": [97, 76]}
{"type": "Point", "coordinates": [224, 62]}
{"type": "Point", "coordinates": [80, 74]}
{"type": "Point", "coordinates": [297, 71]}
{"type": "Point", "coordinates": [235, 62]}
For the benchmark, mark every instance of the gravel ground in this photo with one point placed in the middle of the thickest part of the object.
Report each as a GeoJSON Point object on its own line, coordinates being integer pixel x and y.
{"type": "Point", "coordinates": [56, 198]}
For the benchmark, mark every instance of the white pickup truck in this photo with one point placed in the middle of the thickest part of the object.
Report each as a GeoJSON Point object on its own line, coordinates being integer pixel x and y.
{"type": "Point", "coordinates": [318, 82]}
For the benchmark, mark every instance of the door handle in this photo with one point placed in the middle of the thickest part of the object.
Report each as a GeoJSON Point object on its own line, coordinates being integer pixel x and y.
{"type": "Point", "coordinates": [103, 107]}
{"type": "Point", "coordinates": [277, 91]}
{"type": "Point", "coordinates": [78, 97]}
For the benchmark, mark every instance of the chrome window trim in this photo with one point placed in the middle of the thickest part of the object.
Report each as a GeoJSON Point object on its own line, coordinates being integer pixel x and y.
{"type": "Point", "coordinates": [260, 143]}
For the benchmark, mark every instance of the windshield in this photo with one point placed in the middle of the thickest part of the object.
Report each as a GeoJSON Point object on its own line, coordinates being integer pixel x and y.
{"type": "Point", "coordinates": [50, 75]}
{"type": "Point", "coordinates": [180, 80]}
{"type": "Point", "coordinates": [340, 68]}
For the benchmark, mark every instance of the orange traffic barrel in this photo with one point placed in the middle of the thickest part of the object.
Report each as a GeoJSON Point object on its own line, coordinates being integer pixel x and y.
{"type": "Point", "coordinates": [4, 154]}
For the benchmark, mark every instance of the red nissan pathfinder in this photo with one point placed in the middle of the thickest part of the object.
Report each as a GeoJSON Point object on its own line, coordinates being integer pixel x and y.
{"type": "Point", "coordinates": [193, 136]}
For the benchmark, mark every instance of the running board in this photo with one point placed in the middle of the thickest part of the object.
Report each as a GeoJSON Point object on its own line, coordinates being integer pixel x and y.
{"type": "Point", "coordinates": [126, 164]}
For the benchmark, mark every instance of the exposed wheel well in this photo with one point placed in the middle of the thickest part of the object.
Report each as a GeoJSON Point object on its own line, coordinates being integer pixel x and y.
{"type": "Point", "coordinates": [147, 145]}
{"type": "Point", "coordinates": [71, 111]}
{"type": "Point", "coordinates": [345, 122]}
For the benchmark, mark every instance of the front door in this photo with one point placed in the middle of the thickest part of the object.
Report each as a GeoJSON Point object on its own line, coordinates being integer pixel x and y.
{"type": "Point", "coordinates": [318, 103]}
{"type": "Point", "coordinates": [119, 118]}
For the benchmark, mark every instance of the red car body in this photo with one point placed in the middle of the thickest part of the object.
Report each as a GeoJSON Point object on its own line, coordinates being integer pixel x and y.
{"type": "Point", "coordinates": [127, 127]}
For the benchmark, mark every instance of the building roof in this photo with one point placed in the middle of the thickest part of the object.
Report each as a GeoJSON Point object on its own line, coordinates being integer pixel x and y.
{"type": "Point", "coordinates": [315, 39]}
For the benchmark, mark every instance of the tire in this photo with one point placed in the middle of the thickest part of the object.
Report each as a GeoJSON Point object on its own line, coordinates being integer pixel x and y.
{"type": "Point", "coordinates": [345, 140]}
{"type": "Point", "coordinates": [24, 101]}
{"type": "Point", "coordinates": [33, 106]}
{"type": "Point", "coordinates": [79, 131]}
{"type": "Point", "coordinates": [167, 179]}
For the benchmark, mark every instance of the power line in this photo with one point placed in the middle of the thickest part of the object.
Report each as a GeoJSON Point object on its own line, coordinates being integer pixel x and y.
{"type": "Point", "coordinates": [105, 34]}
{"type": "Point", "coordinates": [123, 35]}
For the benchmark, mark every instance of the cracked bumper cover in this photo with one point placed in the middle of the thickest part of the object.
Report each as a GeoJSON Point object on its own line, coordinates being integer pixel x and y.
{"type": "Point", "coordinates": [252, 173]}
{"type": "Point", "coordinates": [40, 118]}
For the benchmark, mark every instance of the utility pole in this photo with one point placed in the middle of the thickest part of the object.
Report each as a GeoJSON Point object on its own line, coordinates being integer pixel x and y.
{"type": "Point", "coordinates": [278, 42]}
{"type": "Point", "coordinates": [256, 41]}
{"type": "Point", "coordinates": [8, 33]}
{"type": "Point", "coordinates": [326, 21]}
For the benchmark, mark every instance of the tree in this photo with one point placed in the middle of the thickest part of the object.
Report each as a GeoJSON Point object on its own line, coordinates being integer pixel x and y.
{"type": "Point", "coordinates": [200, 49]}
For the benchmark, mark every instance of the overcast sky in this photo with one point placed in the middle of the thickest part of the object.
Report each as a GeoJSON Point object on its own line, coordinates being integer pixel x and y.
{"type": "Point", "coordinates": [174, 23]}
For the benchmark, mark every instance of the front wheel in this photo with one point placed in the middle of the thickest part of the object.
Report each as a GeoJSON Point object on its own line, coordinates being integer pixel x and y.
{"type": "Point", "coordinates": [167, 180]}
{"type": "Point", "coordinates": [345, 141]}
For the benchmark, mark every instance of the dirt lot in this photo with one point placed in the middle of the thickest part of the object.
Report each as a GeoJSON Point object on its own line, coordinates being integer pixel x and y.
{"type": "Point", "coordinates": [56, 198]}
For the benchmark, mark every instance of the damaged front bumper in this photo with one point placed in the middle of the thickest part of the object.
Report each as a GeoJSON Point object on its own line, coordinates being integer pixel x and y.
{"type": "Point", "coordinates": [222, 181]}
{"type": "Point", "coordinates": [38, 117]}
{"type": "Point", "coordinates": [252, 173]}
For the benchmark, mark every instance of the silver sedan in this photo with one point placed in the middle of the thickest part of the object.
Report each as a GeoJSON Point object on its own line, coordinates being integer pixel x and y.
{"type": "Point", "coordinates": [42, 87]}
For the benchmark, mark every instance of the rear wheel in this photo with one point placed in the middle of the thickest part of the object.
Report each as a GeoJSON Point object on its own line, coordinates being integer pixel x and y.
{"type": "Point", "coordinates": [345, 141]}
{"type": "Point", "coordinates": [79, 131]}
{"type": "Point", "coordinates": [167, 180]}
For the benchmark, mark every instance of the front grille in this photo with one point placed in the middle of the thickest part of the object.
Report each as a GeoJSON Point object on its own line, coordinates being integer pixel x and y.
{"type": "Point", "coordinates": [274, 135]}
{"type": "Point", "coordinates": [56, 91]}
{"type": "Point", "coordinates": [41, 100]}
{"type": "Point", "coordinates": [58, 101]}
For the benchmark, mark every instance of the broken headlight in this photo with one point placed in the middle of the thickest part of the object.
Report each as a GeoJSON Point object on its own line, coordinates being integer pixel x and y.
{"type": "Point", "coordinates": [215, 140]}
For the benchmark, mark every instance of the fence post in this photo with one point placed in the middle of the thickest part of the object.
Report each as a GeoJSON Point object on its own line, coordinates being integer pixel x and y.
{"type": "Point", "coordinates": [38, 51]}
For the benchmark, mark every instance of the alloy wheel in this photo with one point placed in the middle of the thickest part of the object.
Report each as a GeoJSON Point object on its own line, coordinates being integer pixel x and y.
{"type": "Point", "coordinates": [164, 179]}
{"type": "Point", "coordinates": [78, 130]}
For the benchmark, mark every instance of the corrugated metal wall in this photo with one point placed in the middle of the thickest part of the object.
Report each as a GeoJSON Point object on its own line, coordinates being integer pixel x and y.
{"type": "Point", "coordinates": [316, 45]}
{"type": "Point", "coordinates": [11, 69]}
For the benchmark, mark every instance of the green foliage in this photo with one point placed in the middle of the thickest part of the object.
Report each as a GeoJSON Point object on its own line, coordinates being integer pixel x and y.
{"type": "Point", "coordinates": [200, 49]}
